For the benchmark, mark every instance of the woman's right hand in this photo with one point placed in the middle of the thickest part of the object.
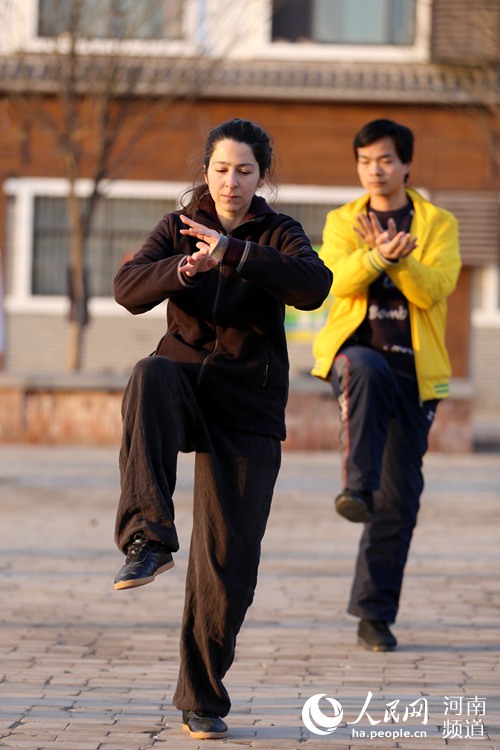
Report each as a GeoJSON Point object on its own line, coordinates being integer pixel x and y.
{"type": "Point", "coordinates": [198, 262]}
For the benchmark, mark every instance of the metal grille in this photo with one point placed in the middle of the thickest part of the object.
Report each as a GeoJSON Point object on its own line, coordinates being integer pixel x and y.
{"type": "Point", "coordinates": [312, 216]}
{"type": "Point", "coordinates": [478, 216]}
{"type": "Point", "coordinates": [118, 229]}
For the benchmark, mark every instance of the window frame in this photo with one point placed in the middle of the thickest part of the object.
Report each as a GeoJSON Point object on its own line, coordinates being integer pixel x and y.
{"type": "Point", "coordinates": [19, 297]}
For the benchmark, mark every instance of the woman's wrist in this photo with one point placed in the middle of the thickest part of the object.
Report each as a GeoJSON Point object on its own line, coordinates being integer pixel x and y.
{"type": "Point", "coordinates": [218, 252]}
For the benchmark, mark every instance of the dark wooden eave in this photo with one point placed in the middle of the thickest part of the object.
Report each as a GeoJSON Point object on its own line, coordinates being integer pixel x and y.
{"type": "Point", "coordinates": [205, 77]}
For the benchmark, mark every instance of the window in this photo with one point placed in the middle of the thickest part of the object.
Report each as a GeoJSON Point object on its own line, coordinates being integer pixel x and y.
{"type": "Point", "coordinates": [119, 228]}
{"type": "Point", "coordinates": [111, 19]}
{"type": "Point", "coordinates": [355, 22]}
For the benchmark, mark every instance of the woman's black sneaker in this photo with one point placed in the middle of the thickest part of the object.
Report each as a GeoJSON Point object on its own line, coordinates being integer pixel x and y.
{"type": "Point", "coordinates": [144, 561]}
{"type": "Point", "coordinates": [203, 725]}
{"type": "Point", "coordinates": [375, 635]}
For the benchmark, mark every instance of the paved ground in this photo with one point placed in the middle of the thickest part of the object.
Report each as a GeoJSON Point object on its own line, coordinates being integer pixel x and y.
{"type": "Point", "coordinates": [83, 667]}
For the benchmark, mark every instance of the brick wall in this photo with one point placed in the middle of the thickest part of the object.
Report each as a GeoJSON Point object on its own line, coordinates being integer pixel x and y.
{"type": "Point", "coordinates": [91, 416]}
{"type": "Point", "coordinates": [312, 424]}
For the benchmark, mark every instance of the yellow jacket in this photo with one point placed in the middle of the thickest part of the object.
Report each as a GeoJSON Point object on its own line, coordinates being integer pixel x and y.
{"type": "Point", "coordinates": [426, 278]}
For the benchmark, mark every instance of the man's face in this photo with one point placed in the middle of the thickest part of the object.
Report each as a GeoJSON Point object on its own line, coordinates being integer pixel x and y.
{"type": "Point", "coordinates": [380, 170]}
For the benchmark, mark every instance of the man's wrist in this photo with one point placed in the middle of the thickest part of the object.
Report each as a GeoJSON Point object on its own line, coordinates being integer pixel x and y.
{"type": "Point", "coordinates": [386, 261]}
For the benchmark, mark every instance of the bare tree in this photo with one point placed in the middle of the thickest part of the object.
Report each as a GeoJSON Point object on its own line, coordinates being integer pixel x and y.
{"type": "Point", "coordinates": [93, 89]}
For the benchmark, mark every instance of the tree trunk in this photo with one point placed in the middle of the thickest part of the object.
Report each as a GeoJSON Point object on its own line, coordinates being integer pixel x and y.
{"type": "Point", "coordinates": [75, 346]}
{"type": "Point", "coordinates": [77, 291]}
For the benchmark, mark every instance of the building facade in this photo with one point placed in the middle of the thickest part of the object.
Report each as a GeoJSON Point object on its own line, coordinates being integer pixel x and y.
{"type": "Point", "coordinates": [311, 72]}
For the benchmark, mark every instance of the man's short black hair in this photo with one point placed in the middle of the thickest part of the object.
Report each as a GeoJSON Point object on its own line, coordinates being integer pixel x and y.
{"type": "Point", "coordinates": [377, 129]}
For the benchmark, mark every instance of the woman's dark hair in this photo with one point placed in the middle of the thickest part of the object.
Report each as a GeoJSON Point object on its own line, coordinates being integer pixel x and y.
{"type": "Point", "coordinates": [241, 131]}
{"type": "Point", "coordinates": [377, 129]}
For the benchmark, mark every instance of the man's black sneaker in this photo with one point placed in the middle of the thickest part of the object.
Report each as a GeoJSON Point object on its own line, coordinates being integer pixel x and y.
{"type": "Point", "coordinates": [375, 635]}
{"type": "Point", "coordinates": [355, 505]}
{"type": "Point", "coordinates": [203, 725]}
{"type": "Point", "coordinates": [144, 561]}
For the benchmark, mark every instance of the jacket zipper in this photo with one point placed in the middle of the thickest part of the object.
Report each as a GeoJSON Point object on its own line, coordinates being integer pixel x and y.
{"type": "Point", "coordinates": [206, 359]}
{"type": "Point", "coordinates": [214, 310]}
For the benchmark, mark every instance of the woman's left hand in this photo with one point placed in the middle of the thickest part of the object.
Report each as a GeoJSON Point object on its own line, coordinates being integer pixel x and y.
{"type": "Point", "coordinates": [200, 262]}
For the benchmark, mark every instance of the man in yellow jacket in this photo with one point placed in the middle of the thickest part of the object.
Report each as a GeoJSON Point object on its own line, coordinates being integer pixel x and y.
{"type": "Point", "coordinates": [395, 260]}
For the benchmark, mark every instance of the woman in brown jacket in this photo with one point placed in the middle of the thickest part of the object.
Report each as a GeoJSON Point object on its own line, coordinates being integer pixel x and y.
{"type": "Point", "coordinates": [217, 385]}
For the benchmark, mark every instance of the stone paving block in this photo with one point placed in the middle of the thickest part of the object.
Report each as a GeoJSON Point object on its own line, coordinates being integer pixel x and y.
{"type": "Point", "coordinates": [31, 744]}
{"type": "Point", "coordinates": [83, 667]}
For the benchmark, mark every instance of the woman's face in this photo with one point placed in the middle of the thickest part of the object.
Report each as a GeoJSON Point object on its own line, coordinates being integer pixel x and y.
{"type": "Point", "coordinates": [232, 177]}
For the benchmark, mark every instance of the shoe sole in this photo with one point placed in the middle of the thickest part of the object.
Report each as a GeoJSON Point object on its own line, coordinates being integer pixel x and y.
{"type": "Point", "coordinates": [133, 583]}
{"type": "Point", "coordinates": [204, 735]}
{"type": "Point", "coordinates": [354, 510]}
{"type": "Point", "coordinates": [376, 647]}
